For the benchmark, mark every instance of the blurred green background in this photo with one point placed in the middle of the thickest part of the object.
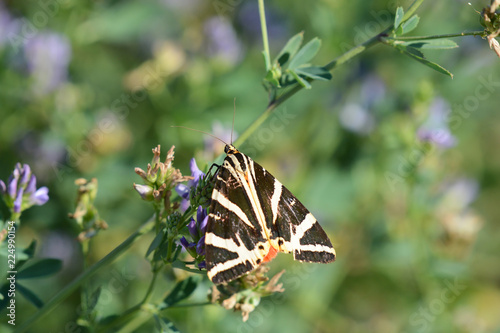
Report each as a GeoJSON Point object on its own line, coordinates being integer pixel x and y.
{"type": "Point", "coordinates": [89, 88]}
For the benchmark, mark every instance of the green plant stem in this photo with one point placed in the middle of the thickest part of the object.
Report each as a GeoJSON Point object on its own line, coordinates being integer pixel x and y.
{"type": "Point", "coordinates": [273, 104]}
{"type": "Point", "coordinates": [70, 288]}
{"type": "Point", "coordinates": [265, 40]}
{"type": "Point", "coordinates": [131, 314]}
{"type": "Point", "coordinates": [461, 34]}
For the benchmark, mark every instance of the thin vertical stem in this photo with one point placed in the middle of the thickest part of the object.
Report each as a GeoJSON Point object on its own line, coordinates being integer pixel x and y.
{"type": "Point", "coordinates": [265, 40]}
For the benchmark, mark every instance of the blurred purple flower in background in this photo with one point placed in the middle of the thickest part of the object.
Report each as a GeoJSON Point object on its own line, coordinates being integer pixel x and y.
{"type": "Point", "coordinates": [48, 55]}
{"type": "Point", "coordinates": [214, 147]}
{"type": "Point", "coordinates": [20, 192]}
{"type": "Point", "coordinates": [372, 91]}
{"type": "Point", "coordinates": [435, 128]}
{"type": "Point", "coordinates": [356, 118]}
{"type": "Point", "coordinates": [221, 41]}
{"type": "Point", "coordinates": [249, 21]}
{"type": "Point", "coordinates": [357, 115]}
{"type": "Point", "coordinates": [460, 193]}
{"type": "Point", "coordinates": [8, 25]}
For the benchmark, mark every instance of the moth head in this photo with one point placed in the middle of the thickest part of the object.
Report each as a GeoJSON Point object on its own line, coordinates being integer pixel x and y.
{"type": "Point", "coordinates": [229, 149]}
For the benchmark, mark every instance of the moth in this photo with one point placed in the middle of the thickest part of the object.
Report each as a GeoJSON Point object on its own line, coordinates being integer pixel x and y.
{"type": "Point", "coordinates": [252, 217]}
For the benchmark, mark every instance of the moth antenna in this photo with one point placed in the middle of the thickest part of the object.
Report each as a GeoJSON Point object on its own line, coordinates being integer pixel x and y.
{"type": "Point", "coordinates": [234, 114]}
{"type": "Point", "coordinates": [473, 8]}
{"type": "Point", "coordinates": [192, 129]}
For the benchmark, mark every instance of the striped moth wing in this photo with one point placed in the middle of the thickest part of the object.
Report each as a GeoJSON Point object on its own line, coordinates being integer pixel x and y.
{"type": "Point", "coordinates": [252, 217]}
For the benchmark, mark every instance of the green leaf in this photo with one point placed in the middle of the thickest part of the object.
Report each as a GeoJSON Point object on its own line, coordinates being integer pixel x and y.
{"type": "Point", "coordinates": [182, 290]}
{"type": "Point", "coordinates": [94, 298]}
{"type": "Point", "coordinates": [291, 47]}
{"type": "Point", "coordinates": [431, 44]}
{"type": "Point", "coordinates": [29, 295]}
{"type": "Point", "coordinates": [399, 17]}
{"type": "Point", "coordinates": [410, 24]}
{"type": "Point", "coordinates": [304, 83]}
{"type": "Point", "coordinates": [413, 51]}
{"type": "Point", "coordinates": [182, 265]}
{"type": "Point", "coordinates": [164, 325]}
{"type": "Point", "coordinates": [314, 72]}
{"type": "Point", "coordinates": [417, 55]}
{"type": "Point", "coordinates": [155, 243]}
{"type": "Point", "coordinates": [40, 268]}
{"type": "Point", "coordinates": [306, 53]}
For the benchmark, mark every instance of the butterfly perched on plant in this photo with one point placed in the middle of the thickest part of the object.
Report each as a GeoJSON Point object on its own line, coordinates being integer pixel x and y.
{"type": "Point", "coordinates": [252, 217]}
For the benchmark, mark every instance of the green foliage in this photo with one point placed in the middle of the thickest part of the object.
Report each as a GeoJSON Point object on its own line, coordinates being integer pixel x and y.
{"type": "Point", "coordinates": [291, 65]}
{"type": "Point", "coordinates": [411, 48]}
{"type": "Point", "coordinates": [407, 208]}
{"type": "Point", "coordinates": [181, 291]}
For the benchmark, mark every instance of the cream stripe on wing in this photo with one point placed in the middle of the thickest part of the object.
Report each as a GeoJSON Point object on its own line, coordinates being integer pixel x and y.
{"type": "Point", "coordinates": [243, 253]}
{"type": "Point", "coordinates": [275, 200]}
{"type": "Point", "coordinates": [223, 201]}
{"type": "Point", "coordinates": [249, 188]}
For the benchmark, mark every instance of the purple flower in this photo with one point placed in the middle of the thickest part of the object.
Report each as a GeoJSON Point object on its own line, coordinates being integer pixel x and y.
{"type": "Point", "coordinates": [203, 225]}
{"type": "Point", "coordinates": [18, 201]}
{"type": "Point", "coordinates": [183, 191]}
{"type": "Point", "coordinates": [186, 244]}
{"type": "Point", "coordinates": [196, 229]}
{"type": "Point", "coordinates": [25, 175]}
{"type": "Point", "coordinates": [145, 191]}
{"type": "Point", "coordinates": [200, 214]}
{"type": "Point", "coordinates": [200, 246]}
{"type": "Point", "coordinates": [48, 55]}
{"type": "Point", "coordinates": [222, 42]}
{"type": "Point", "coordinates": [435, 128]}
{"type": "Point", "coordinates": [20, 192]}
{"type": "Point", "coordinates": [193, 230]}
{"type": "Point", "coordinates": [12, 185]}
{"type": "Point", "coordinates": [196, 173]}
{"type": "Point", "coordinates": [39, 197]}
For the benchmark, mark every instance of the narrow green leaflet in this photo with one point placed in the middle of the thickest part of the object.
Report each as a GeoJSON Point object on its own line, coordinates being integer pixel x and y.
{"type": "Point", "coordinates": [430, 44]}
{"type": "Point", "coordinates": [29, 295]}
{"type": "Point", "coordinates": [43, 267]}
{"type": "Point", "coordinates": [300, 80]}
{"type": "Point", "coordinates": [155, 243]}
{"type": "Point", "coordinates": [182, 265]}
{"type": "Point", "coordinates": [314, 72]}
{"type": "Point", "coordinates": [399, 17]}
{"type": "Point", "coordinates": [410, 24]}
{"type": "Point", "coordinates": [164, 325]}
{"type": "Point", "coordinates": [412, 51]}
{"type": "Point", "coordinates": [182, 290]}
{"type": "Point", "coordinates": [417, 55]}
{"type": "Point", "coordinates": [291, 47]}
{"type": "Point", "coordinates": [306, 53]}
{"type": "Point", "coordinates": [93, 299]}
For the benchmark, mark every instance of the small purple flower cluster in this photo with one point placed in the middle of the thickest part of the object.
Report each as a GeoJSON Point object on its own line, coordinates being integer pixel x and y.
{"type": "Point", "coordinates": [185, 190]}
{"type": "Point", "coordinates": [197, 228]}
{"type": "Point", "coordinates": [20, 192]}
